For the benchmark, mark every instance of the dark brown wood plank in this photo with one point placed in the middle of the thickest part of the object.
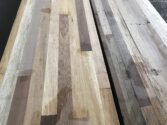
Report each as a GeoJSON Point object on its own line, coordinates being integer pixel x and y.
{"type": "Point", "coordinates": [48, 120]}
{"type": "Point", "coordinates": [64, 73]}
{"type": "Point", "coordinates": [83, 28]}
{"type": "Point", "coordinates": [17, 111]}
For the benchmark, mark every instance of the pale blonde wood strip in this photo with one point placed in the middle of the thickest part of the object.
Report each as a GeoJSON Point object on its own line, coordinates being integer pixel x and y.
{"type": "Point", "coordinates": [64, 7]}
{"type": "Point", "coordinates": [97, 52]}
{"type": "Point", "coordinates": [64, 73]}
{"type": "Point", "coordinates": [92, 91]}
{"type": "Point", "coordinates": [34, 102]}
{"type": "Point", "coordinates": [80, 110]}
{"type": "Point", "coordinates": [110, 113]}
{"type": "Point", "coordinates": [49, 105]}
{"type": "Point", "coordinates": [100, 68]}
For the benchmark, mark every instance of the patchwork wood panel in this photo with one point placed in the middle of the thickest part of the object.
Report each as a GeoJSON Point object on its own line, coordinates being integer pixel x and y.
{"type": "Point", "coordinates": [132, 50]}
{"type": "Point", "coordinates": [56, 73]}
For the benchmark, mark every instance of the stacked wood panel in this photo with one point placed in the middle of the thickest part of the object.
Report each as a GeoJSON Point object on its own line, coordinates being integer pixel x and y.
{"type": "Point", "coordinates": [53, 72]}
{"type": "Point", "coordinates": [134, 38]}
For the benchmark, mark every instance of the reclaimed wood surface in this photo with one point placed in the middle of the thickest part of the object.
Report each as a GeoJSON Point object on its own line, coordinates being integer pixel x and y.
{"type": "Point", "coordinates": [7, 52]}
{"type": "Point", "coordinates": [53, 72]}
{"type": "Point", "coordinates": [134, 38]}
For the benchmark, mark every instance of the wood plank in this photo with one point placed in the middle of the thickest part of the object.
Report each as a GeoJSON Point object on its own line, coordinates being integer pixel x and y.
{"type": "Point", "coordinates": [56, 80]}
{"type": "Point", "coordinates": [82, 25]}
{"type": "Point", "coordinates": [34, 104]}
{"type": "Point", "coordinates": [49, 105]}
{"type": "Point", "coordinates": [64, 77]}
{"type": "Point", "coordinates": [132, 53]}
{"type": "Point", "coordinates": [80, 110]}
{"type": "Point", "coordinates": [97, 52]}
{"type": "Point", "coordinates": [101, 73]}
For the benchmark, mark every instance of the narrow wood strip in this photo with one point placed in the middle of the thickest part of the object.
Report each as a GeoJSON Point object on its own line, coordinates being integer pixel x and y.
{"type": "Point", "coordinates": [92, 90]}
{"type": "Point", "coordinates": [98, 9]}
{"type": "Point", "coordinates": [109, 110]}
{"type": "Point", "coordinates": [17, 111]}
{"type": "Point", "coordinates": [34, 104]}
{"type": "Point", "coordinates": [49, 104]}
{"type": "Point", "coordinates": [80, 108]}
{"type": "Point", "coordinates": [64, 73]}
{"type": "Point", "coordinates": [108, 103]}
{"type": "Point", "coordinates": [83, 28]}
{"type": "Point", "coordinates": [94, 39]}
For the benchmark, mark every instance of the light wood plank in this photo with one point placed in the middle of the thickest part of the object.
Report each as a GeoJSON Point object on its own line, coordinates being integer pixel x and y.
{"type": "Point", "coordinates": [49, 105]}
{"type": "Point", "coordinates": [34, 103]}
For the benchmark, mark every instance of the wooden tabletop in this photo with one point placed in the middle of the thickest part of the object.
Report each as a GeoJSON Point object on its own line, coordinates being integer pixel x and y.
{"type": "Point", "coordinates": [53, 71]}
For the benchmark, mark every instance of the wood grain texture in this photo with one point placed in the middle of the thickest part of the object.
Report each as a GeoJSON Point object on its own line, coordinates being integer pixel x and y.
{"type": "Point", "coordinates": [53, 71]}
{"type": "Point", "coordinates": [135, 58]}
{"type": "Point", "coordinates": [34, 104]}
{"type": "Point", "coordinates": [9, 80]}
{"type": "Point", "coordinates": [7, 52]}
{"type": "Point", "coordinates": [51, 79]}
{"type": "Point", "coordinates": [49, 105]}
{"type": "Point", "coordinates": [82, 25]}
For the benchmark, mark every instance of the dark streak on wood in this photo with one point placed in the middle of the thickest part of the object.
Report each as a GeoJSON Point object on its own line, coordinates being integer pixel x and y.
{"type": "Point", "coordinates": [48, 120]}
{"type": "Point", "coordinates": [64, 73]}
{"type": "Point", "coordinates": [83, 27]}
{"type": "Point", "coordinates": [138, 84]}
{"type": "Point", "coordinates": [17, 111]}
{"type": "Point", "coordinates": [46, 10]}
{"type": "Point", "coordinates": [131, 70]}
